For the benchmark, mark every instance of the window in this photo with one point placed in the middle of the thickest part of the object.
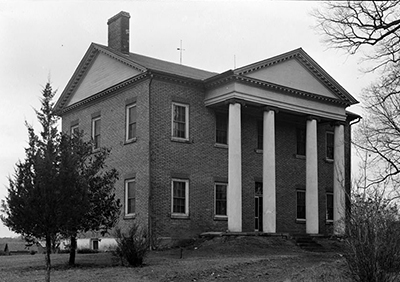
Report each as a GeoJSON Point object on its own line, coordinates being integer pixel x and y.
{"type": "Point", "coordinates": [301, 141]}
{"type": "Point", "coordinates": [260, 134]}
{"type": "Point", "coordinates": [221, 129]}
{"type": "Point", "coordinates": [95, 244]}
{"type": "Point", "coordinates": [329, 206]}
{"type": "Point", "coordinates": [130, 122]}
{"type": "Point", "coordinates": [180, 121]}
{"type": "Point", "coordinates": [220, 199]}
{"type": "Point", "coordinates": [329, 145]}
{"type": "Point", "coordinates": [96, 123]}
{"type": "Point", "coordinates": [301, 205]}
{"type": "Point", "coordinates": [180, 197]}
{"type": "Point", "coordinates": [130, 200]}
{"type": "Point", "coordinates": [74, 130]}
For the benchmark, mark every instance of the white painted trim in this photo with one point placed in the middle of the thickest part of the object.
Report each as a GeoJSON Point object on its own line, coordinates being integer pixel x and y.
{"type": "Point", "coordinates": [186, 181]}
{"type": "Point", "coordinates": [127, 181]}
{"type": "Point", "coordinates": [186, 138]}
{"type": "Point", "coordinates": [127, 108]}
{"type": "Point", "coordinates": [94, 120]}
{"type": "Point", "coordinates": [215, 199]}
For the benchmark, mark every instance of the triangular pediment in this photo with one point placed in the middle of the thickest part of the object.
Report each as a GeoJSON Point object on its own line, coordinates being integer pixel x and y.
{"type": "Point", "coordinates": [104, 72]}
{"type": "Point", "coordinates": [296, 70]}
{"type": "Point", "coordinates": [291, 73]}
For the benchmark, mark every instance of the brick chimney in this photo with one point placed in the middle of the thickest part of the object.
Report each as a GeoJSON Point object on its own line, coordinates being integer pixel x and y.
{"type": "Point", "coordinates": [118, 32]}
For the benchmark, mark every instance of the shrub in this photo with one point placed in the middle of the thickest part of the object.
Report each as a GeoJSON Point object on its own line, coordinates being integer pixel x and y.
{"type": "Point", "coordinates": [133, 246]}
{"type": "Point", "coordinates": [87, 251]}
{"type": "Point", "coordinates": [373, 240]}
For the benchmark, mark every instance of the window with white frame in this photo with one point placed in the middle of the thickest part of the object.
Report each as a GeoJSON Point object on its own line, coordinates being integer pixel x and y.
{"type": "Point", "coordinates": [220, 199]}
{"type": "Point", "coordinates": [301, 204]}
{"type": "Point", "coordinates": [131, 117]}
{"type": "Point", "coordinates": [74, 130]}
{"type": "Point", "coordinates": [329, 206]}
{"type": "Point", "coordinates": [180, 121]}
{"type": "Point", "coordinates": [180, 197]}
{"type": "Point", "coordinates": [330, 145]}
{"type": "Point", "coordinates": [96, 123]}
{"type": "Point", "coordinates": [130, 197]}
{"type": "Point", "coordinates": [221, 129]}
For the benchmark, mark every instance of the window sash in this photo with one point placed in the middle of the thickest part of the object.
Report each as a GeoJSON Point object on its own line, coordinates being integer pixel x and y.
{"type": "Point", "coordinates": [180, 201]}
{"type": "Point", "coordinates": [330, 148]}
{"type": "Point", "coordinates": [131, 119]}
{"type": "Point", "coordinates": [221, 199]}
{"type": "Point", "coordinates": [221, 129]}
{"type": "Point", "coordinates": [180, 121]}
{"type": "Point", "coordinates": [301, 141]}
{"type": "Point", "coordinates": [329, 206]}
{"type": "Point", "coordinates": [130, 197]}
{"type": "Point", "coordinates": [96, 124]}
{"type": "Point", "coordinates": [260, 135]}
{"type": "Point", "coordinates": [301, 205]}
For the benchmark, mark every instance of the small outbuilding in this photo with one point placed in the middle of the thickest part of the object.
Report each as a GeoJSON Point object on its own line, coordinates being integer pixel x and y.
{"type": "Point", "coordinates": [4, 249]}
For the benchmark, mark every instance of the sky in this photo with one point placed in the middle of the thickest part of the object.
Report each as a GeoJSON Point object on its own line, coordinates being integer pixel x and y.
{"type": "Point", "coordinates": [44, 41]}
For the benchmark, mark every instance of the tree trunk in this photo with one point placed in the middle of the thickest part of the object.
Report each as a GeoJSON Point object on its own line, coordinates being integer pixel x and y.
{"type": "Point", "coordinates": [72, 250]}
{"type": "Point", "coordinates": [48, 262]}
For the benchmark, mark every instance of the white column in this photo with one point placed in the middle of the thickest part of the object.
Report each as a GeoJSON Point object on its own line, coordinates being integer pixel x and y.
{"type": "Point", "coordinates": [269, 186]}
{"type": "Point", "coordinates": [234, 193]}
{"type": "Point", "coordinates": [339, 182]}
{"type": "Point", "coordinates": [312, 226]}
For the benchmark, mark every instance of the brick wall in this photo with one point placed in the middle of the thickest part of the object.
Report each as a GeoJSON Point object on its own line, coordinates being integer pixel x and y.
{"type": "Point", "coordinates": [131, 159]}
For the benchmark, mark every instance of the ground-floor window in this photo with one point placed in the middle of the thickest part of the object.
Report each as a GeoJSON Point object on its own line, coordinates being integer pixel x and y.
{"type": "Point", "coordinates": [220, 199]}
{"type": "Point", "coordinates": [180, 197]}
{"type": "Point", "coordinates": [301, 204]}
{"type": "Point", "coordinates": [329, 206]}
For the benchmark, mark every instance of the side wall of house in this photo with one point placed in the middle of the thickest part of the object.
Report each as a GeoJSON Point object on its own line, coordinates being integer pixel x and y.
{"type": "Point", "coordinates": [130, 159]}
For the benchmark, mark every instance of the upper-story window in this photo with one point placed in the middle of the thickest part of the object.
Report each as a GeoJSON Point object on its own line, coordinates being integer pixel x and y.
{"type": "Point", "coordinates": [221, 129]}
{"type": "Point", "coordinates": [260, 134]}
{"type": "Point", "coordinates": [96, 124]}
{"type": "Point", "coordinates": [131, 117]}
{"type": "Point", "coordinates": [74, 130]}
{"type": "Point", "coordinates": [180, 121]}
{"type": "Point", "coordinates": [329, 145]}
{"type": "Point", "coordinates": [301, 141]}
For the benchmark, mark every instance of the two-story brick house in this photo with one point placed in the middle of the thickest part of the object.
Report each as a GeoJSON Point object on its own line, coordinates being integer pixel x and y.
{"type": "Point", "coordinates": [265, 147]}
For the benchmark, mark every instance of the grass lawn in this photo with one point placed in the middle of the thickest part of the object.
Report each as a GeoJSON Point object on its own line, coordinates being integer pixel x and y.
{"type": "Point", "coordinates": [221, 259]}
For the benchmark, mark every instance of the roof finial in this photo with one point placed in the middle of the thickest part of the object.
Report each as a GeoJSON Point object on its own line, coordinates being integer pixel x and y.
{"type": "Point", "coordinates": [180, 49]}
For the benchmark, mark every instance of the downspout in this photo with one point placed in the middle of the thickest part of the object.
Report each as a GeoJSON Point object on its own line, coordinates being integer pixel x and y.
{"type": "Point", "coordinates": [150, 205]}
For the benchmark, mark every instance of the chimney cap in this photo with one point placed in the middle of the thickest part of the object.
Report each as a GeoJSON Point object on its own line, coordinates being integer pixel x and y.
{"type": "Point", "coordinates": [119, 15]}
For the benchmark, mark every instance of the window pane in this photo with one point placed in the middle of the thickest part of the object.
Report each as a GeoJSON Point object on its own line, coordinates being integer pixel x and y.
{"type": "Point", "coordinates": [220, 199]}
{"type": "Point", "coordinates": [260, 134]}
{"type": "Point", "coordinates": [179, 197]}
{"type": "Point", "coordinates": [329, 206]}
{"type": "Point", "coordinates": [329, 145]}
{"type": "Point", "coordinates": [179, 121]}
{"type": "Point", "coordinates": [301, 205]}
{"type": "Point", "coordinates": [130, 195]}
{"type": "Point", "coordinates": [301, 141]}
{"type": "Point", "coordinates": [221, 133]}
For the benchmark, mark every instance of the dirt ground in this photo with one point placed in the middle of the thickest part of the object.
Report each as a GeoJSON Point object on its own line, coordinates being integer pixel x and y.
{"type": "Point", "coordinates": [220, 259]}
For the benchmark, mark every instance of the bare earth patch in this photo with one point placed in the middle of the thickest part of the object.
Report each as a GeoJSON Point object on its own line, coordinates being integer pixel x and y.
{"type": "Point", "coordinates": [220, 259]}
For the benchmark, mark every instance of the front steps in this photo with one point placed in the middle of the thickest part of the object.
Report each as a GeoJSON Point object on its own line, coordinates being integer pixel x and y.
{"type": "Point", "coordinates": [307, 242]}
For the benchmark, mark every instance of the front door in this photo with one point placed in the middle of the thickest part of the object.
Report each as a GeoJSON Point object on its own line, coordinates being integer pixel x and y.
{"type": "Point", "coordinates": [258, 207]}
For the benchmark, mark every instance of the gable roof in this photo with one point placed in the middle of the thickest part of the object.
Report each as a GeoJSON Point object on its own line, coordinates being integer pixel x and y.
{"type": "Point", "coordinates": [312, 66]}
{"type": "Point", "coordinates": [141, 63]}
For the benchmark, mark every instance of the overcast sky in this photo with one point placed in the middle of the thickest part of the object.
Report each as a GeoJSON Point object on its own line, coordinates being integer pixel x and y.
{"type": "Point", "coordinates": [47, 39]}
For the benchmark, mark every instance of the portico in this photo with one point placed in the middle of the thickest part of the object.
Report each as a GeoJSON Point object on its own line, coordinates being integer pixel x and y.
{"type": "Point", "coordinates": [316, 100]}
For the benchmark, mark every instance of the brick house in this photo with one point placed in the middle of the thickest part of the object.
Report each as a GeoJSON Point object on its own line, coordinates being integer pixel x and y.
{"type": "Point", "coordinates": [265, 147]}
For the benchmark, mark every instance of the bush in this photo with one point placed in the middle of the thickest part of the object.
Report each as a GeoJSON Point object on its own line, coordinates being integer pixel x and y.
{"type": "Point", "coordinates": [373, 240]}
{"type": "Point", "coordinates": [87, 251]}
{"type": "Point", "coordinates": [132, 247]}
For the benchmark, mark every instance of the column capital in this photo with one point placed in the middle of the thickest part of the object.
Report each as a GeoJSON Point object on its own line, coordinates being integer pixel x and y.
{"type": "Point", "coordinates": [269, 108]}
{"type": "Point", "coordinates": [310, 117]}
{"type": "Point", "coordinates": [337, 123]}
{"type": "Point", "coordinates": [235, 101]}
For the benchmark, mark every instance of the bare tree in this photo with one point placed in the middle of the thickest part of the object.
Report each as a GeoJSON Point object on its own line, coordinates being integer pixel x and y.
{"type": "Point", "coordinates": [351, 25]}
{"type": "Point", "coordinates": [372, 28]}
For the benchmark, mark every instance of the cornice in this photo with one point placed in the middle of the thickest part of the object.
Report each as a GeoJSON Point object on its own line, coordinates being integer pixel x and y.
{"type": "Point", "coordinates": [176, 78]}
{"type": "Point", "coordinates": [105, 92]}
